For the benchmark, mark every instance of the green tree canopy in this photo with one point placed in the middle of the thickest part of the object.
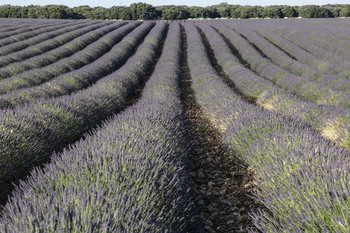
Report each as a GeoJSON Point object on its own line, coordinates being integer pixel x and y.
{"type": "Point", "coordinates": [173, 12]}
{"type": "Point", "coordinates": [314, 11]}
{"type": "Point", "coordinates": [142, 11]}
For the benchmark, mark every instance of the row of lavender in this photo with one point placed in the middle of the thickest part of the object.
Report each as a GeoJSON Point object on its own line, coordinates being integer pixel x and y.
{"type": "Point", "coordinates": [323, 40]}
{"type": "Point", "coordinates": [299, 53]}
{"type": "Point", "coordinates": [30, 31]}
{"type": "Point", "coordinates": [301, 179]}
{"type": "Point", "coordinates": [67, 58]}
{"type": "Point", "coordinates": [321, 75]}
{"type": "Point", "coordinates": [317, 50]}
{"type": "Point", "coordinates": [338, 82]}
{"type": "Point", "coordinates": [309, 89]}
{"type": "Point", "coordinates": [331, 121]}
{"type": "Point", "coordinates": [281, 58]}
{"type": "Point", "coordinates": [324, 55]}
{"type": "Point", "coordinates": [16, 25]}
{"type": "Point", "coordinates": [29, 134]}
{"type": "Point", "coordinates": [16, 57]}
{"type": "Point", "coordinates": [129, 176]}
{"type": "Point", "coordinates": [333, 63]}
{"type": "Point", "coordinates": [42, 35]}
{"type": "Point", "coordinates": [54, 84]}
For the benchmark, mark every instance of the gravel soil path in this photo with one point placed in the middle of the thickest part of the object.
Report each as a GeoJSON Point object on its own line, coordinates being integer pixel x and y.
{"type": "Point", "coordinates": [223, 184]}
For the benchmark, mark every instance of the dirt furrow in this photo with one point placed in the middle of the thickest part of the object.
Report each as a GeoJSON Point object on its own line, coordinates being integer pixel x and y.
{"type": "Point", "coordinates": [223, 184]}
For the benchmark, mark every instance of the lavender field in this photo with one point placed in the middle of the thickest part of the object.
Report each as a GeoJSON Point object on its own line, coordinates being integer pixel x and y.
{"type": "Point", "coordinates": [175, 126]}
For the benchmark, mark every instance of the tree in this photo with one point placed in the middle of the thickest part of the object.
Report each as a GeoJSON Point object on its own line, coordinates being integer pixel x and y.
{"type": "Point", "coordinates": [84, 11]}
{"type": "Point", "coordinates": [289, 11]}
{"type": "Point", "coordinates": [223, 10]}
{"type": "Point", "coordinates": [345, 11]}
{"type": "Point", "coordinates": [55, 11]}
{"type": "Point", "coordinates": [125, 13]}
{"type": "Point", "coordinates": [99, 13]}
{"type": "Point", "coordinates": [4, 11]}
{"type": "Point", "coordinates": [236, 12]}
{"type": "Point", "coordinates": [212, 12]}
{"type": "Point", "coordinates": [198, 12]}
{"type": "Point", "coordinates": [246, 12]}
{"type": "Point", "coordinates": [145, 11]}
{"type": "Point", "coordinates": [272, 12]}
{"type": "Point", "coordinates": [175, 12]}
{"type": "Point", "coordinates": [142, 11]}
{"type": "Point", "coordinates": [314, 11]}
{"type": "Point", "coordinates": [333, 9]}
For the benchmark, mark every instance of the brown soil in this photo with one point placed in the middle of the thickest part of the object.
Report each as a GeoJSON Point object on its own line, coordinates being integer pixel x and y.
{"type": "Point", "coordinates": [223, 184]}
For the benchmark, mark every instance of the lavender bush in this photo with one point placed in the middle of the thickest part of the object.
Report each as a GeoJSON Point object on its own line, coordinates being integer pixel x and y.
{"type": "Point", "coordinates": [298, 53]}
{"type": "Point", "coordinates": [29, 134]}
{"type": "Point", "coordinates": [81, 78]}
{"type": "Point", "coordinates": [72, 49]}
{"type": "Point", "coordinates": [301, 178]}
{"type": "Point", "coordinates": [315, 37]}
{"type": "Point", "coordinates": [109, 182]}
{"type": "Point", "coordinates": [316, 92]}
{"type": "Point", "coordinates": [23, 62]}
{"type": "Point", "coordinates": [276, 55]}
{"type": "Point", "coordinates": [12, 24]}
{"type": "Point", "coordinates": [47, 34]}
{"type": "Point", "coordinates": [29, 31]}
{"type": "Point", "coordinates": [330, 121]}
{"type": "Point", "coordinates": [318, 51]}
{"type": "Point", "coordinates": [15, 59]}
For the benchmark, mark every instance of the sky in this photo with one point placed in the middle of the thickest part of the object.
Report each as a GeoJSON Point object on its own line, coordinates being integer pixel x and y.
{"type": "Point", "coordinates": [203, 3]}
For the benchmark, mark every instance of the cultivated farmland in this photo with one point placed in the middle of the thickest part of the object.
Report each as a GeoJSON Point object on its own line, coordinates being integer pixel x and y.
{"type": "Point", "coordinates": [183, 126]}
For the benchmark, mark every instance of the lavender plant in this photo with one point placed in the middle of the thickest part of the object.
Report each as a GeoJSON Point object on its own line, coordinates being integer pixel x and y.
{"type": "Point", "coordinates": [109, 182]}
{"type": "Point", "coordinates": [315, 37]}
{"type": "Point", "coordinates": [338, 82]}
{"type": "Point", "coordinates": [76, 41]}
{"type": "Point", "coordinates": [29, 134]}
{"type": "Point", "coordinates": [299, 53]}
{"type": "Point", "coordinates": [330, 121]}
{"type": "Point", "coordinates": [12, 24]}
{"type": "Point", "coordinates": [318, 51]}
{"type": "Point", "coordinates": [17, 60]}
{"type": "Point", "coordinates": [276, 55]}
{"type": "Point", "coordinates": [301, 179]}
{"type": "Point", "coordinates": [28, 32]}
{"type": "Point", "coordinates": [83, 77]}
{"type": "Point", "coordinates": [48, 34]}
{"type": "Point", "coordinates": [316, 92]}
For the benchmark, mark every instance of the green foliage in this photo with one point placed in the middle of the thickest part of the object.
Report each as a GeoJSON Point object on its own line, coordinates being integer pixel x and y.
{"type": "Point", "coordinates": [314, 11]}
{"type": "Point", "coordinates": [224, 9]}
{"type": "Point", "coordinates": [273, 12]}
{"type": "Point", "coordinates": [172, 12]}
{"type": "Point", "coordinates": [345, 11]}
{"type": "Point", "coordinates": [246, 12]}
{"type": "Point", "coordinates": [144, 11]}
{"type": "Point", "coordinates": [199, 12]}
{"type": "Point", "coordinates": [289, 11]}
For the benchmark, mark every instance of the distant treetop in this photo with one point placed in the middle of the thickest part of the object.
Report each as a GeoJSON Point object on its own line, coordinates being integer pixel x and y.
{"type": "Point", "coordinates": [144, 11]}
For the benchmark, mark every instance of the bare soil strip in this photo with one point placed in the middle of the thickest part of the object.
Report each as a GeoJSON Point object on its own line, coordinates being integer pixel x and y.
{"type": "Point", "coordinates": [280, 48]}
{"type": "Point", "coordinates": [254, 46]}
{"type": "Point", "coordinates": [234, 50]}
{"type": "Point", "coordinates": [223, 184]}
{"type": "Point", "coordinates": [219, 69]}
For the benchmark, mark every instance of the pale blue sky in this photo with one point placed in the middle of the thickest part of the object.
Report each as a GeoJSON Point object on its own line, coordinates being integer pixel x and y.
{"type": "Point", "coordinates": [109, 3]}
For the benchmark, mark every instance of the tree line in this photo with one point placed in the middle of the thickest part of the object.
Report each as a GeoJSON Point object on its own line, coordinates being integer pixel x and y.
{"type": "Point", "coordinates": [144, 11]}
